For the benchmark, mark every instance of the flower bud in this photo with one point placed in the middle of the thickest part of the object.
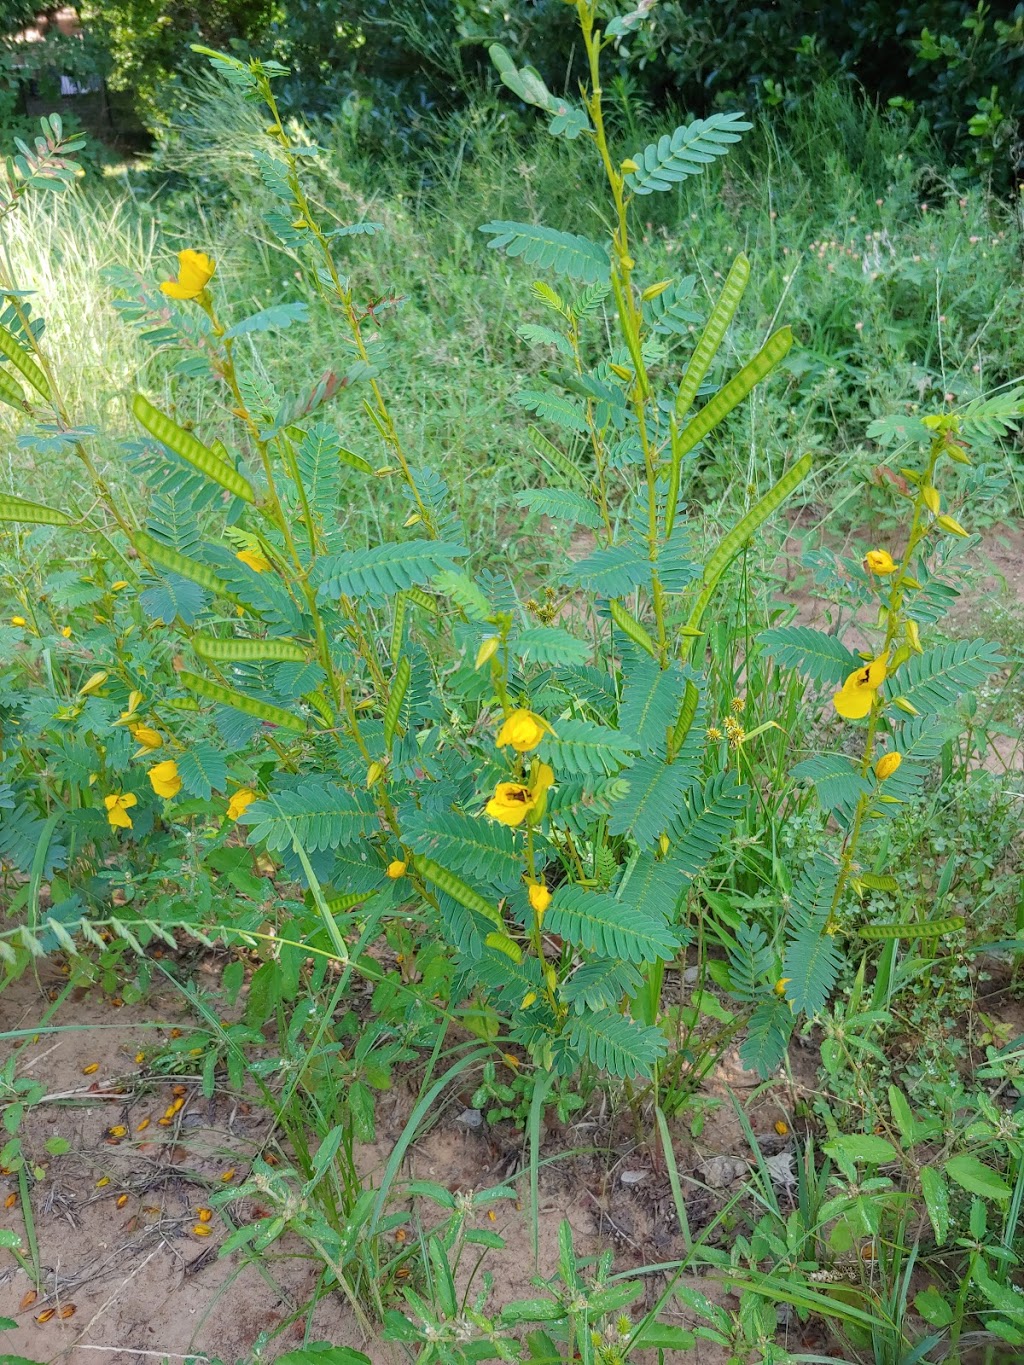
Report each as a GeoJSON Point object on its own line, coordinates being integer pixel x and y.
{"type": "Point", "coordinates": [887, 765]}
{"type": "Point", "coordinates": [487, 650]}
{"type": "Point", "coordinates": [397, 868]}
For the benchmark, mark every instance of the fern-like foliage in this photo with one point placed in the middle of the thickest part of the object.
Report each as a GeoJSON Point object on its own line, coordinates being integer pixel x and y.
{"type": "Point", "coordinates": [836, 780]}
{"type": "Point", "coordinates": [566, 253]}
{"type": "Point", "coordinates": [600, 924]}
{"type": "Point", "coordinates": [686, 152]}
{"type": "Point", "coordinates": [383, 570]}
{"type": "Point", "coordinates": [316, 814]}
{"type": "Point", "coordinates": [581, 748]}
{"type": "Point", "coordinates": [651, 698]}
{"type": "Point", "coordinates": [933, 681]}
{"type": "Point", "coordinates": [567, 413]}
{"type": "Point", "coordinates": [750, 964]}
{"type": "Point", "coordinates": [705, 820]}
{"type": "Point", "coordinates": [477, 849]}
{"type": "Point", "coordinates": [812, 961]}
{"type": "Point", "coordinates": [610, 572]}
{"type": "Point", "coordinates": [819, 656]}
{"type": "Point", "coordinates": [561, 504]}
{"type": "Point", "coordinates": [550, 645]}
{"type": "Point", "coordinates": [768, 1034]}
{"type": "Point", "coordinates": [655, 886]}
{"type": "Point", "coordinates": [616, 1044]}
{"type": "Point", "coordinates": [653, 800]}
{"type": "Point", "coordinates": [600, 985]}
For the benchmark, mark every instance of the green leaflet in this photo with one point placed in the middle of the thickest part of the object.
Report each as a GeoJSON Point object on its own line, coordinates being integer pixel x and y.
{"type": "Point", "coordinates": [952, 924]}
{"type": "Point", "coordinates": [245, 651]}
{"type": "Point", "coordinates": [167, 558]}
{"type": "Point", "coordinates": [616, 1044]}
{"type": "Point", "coordinates": [227, 696]}
{"type": "Point", "coordinates": [566, 253]}
{"type": "Point", "coordinates": [456, 888]}
{"type": "Point", "coordinates": [20, 359]}
{"type": "Point", "coordinates": [186, 445]}
{"type": "Point", "coordinates": [711, 338]}
{"type": "Point", "coordinates": [10, 390]}
{"type": "Point", "coordinates": [630, 626]}
{"type": "Point", "coordinates": [730, 395]}
{"type": "Point", "coordinates": [601, 924]}
{"type": "Point", "coordinates": [393, 709]}
{"type": "Point", "coordinates": [686, 152]}
{"type": "Point", "coordinates": [462, 590]}
{"type": "Point", "coordinates": [739, 535]}
{"type": "Point", "coordinates": [822, 657]}
{"type": "Point", "coordinates": [20, 509]}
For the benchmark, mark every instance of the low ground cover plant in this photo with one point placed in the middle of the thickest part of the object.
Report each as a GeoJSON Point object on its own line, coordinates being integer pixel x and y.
{"type": "Point", "coordinates": [517, 795]}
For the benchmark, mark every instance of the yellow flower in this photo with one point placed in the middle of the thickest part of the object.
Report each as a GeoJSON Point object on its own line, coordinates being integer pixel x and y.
{"type": "Point", "coordinates": [540, 897]}
{"type": "Point", "coordinates": [146, 736]}
{"type": "Point", "coordinates": [858, 691]}
{"type": "Point", "coordinates": [18, 621]}
{"type": "Point", "coordinates": [523, 730]}
{"type": "Point", "coordinates": [780, 985]}
{"type": "Point", "coordinates": [511, 803]}
{"type": "Point", "coordinates": [397, 868]}
{"type": "Point", "coordinates": [195, 271]}
{"type": "Point", "coordinates": [257, 562]}
{"type": "Point", "coordinates": [121, 583]}
{"type": "Point", "coordinates": [880, 562]}
{"type": "Point", "coordinates": [165, 779]}
{"type": "Point", "coordinates": [240, 801]}
{"type": "Point", "coordinates": [66, 632]}
{"type": "Point", "coordinates": [118, 805]}
{"type": "Point", "coordinates": [887, 765]}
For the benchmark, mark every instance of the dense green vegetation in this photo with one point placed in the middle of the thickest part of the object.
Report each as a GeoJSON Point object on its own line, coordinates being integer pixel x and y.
{"type": "Point", "coordinates": [509, 621]}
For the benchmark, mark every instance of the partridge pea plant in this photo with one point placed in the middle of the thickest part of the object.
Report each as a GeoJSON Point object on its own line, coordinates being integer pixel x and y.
{"type": "Point", "coordinates": [508, 771]}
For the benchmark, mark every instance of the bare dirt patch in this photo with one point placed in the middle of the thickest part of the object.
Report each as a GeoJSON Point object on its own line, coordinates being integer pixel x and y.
{"type": "Point", "coordinates": [114, 1217]}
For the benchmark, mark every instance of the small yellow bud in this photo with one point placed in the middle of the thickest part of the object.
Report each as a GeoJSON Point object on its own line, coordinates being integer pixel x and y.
{"type": "Point", "coordinates": [907, 582]}
{"type": "Point", "coordinates": [121, 583]}
{"type": "Point", "coordinates": [540, 898]}
{"type": "Point", "coordinates": [781, 984]}
{"type": "Point", "coordinates": [528, 999]}
{"type": "Point", "coordinates": [653, 290]}
{"type": "Point", "coordinates": [397, 868]}
{"type": "Point", "coordinates": [887, 765]}
{"type": "Point", "coordinates": [411, 519]}
{"type": "Point", "coordinates": [629, 166]}
{"type": "Point", "coordinates": [664, 843]}
{"type": "Point", "coordinates": [913, 636]}
{"type": "Point", "coordinates": [622, 372]}
{"type": "Point", "coordinates": [18, 621]}
{"type": "Point", "coordinates": [951, 525]}
{"type": "Point", "coordinates": [487, 650]}
{"type": "Point", "coordinates": [930, 497]}
{"type": "Point", "coordinates": [374, 773]}
{"type": "Point", "coordinates": [905, 705]}
{"type": "Point", "coordinates": [880, 562]}
{"type": "Point", "coordinates": [956, 453]}
{"type": "Point", "coordinates": [66, 632]}
{"type": "Point", "coordinates": [96, 681]}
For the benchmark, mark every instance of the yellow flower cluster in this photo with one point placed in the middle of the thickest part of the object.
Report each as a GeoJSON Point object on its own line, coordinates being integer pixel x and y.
{"type": "Point", "coordinates": [514, 802]}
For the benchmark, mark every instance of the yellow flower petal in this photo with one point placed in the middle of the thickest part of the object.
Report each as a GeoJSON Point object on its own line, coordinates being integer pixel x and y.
{"type": "Point", "coordinates": [511, 803]}
{"type": "Point", "coordinates": [164, 778]}
{"type": "Point", "coordinates": [240, 801]}
{"type": "Point", "coordinates": [257, 562]}
{"type": "Point", "coordinates": [523, 730]}
{"type": "Point", "coordinates": [195, 271]}
{"type": "Point", "coordinates": [118, 805]}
